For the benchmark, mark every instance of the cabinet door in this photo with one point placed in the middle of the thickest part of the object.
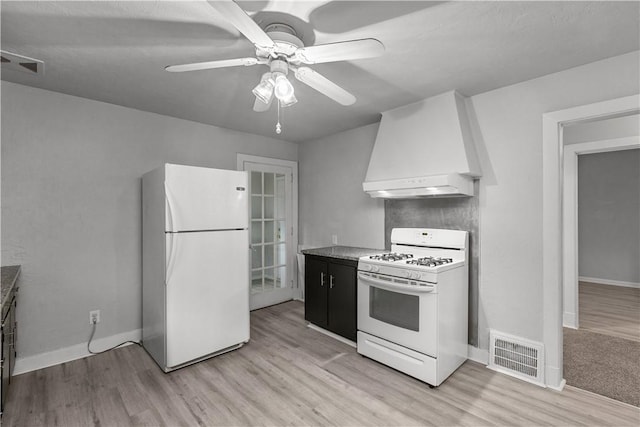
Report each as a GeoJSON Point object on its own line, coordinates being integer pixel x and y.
{"type": "Point", "coordinates": [6, 329]}
{"type": "Point", "coordinates": [342, 300]}
{"type": "Point", "coordinates": [316, 283]}
{"type": "Point", "coordinates": [14, 337]}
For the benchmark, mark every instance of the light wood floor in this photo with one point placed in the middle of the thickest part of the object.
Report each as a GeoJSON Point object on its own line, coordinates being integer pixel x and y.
{"type": "Point", "coordinates": [610, 310]}
{"type": "Point", "coordinates": [290, 375]}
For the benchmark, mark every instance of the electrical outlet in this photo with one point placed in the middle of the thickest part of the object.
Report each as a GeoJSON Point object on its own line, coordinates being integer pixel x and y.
{"type": "Point", "coordinates": [94, 317]}
{"type": "Point", "coordinates": [334, 239]}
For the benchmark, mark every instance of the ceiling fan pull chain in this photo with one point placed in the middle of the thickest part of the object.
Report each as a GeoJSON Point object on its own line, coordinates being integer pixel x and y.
{"type": "Point", "coordinates": [278, 126]}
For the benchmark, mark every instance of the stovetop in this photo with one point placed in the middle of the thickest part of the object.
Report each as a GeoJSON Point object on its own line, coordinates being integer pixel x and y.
{"type": "Point", "coordinates": [419, 252]}
{"type": "Point", "coordinates": [398, 263]}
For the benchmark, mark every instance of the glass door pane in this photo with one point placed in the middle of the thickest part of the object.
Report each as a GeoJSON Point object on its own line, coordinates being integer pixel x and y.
{"type": "Point", "coordinates": [270, 221]}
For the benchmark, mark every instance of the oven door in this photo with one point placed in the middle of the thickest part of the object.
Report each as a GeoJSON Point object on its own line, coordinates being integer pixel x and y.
{"type": "Point", "coordinates": [402, 314]}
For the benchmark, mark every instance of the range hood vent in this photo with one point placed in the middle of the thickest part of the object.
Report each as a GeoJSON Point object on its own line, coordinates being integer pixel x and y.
{"type": "Point", "coordinates": [427, 186]}
{"type": "Point", "coordinates": [424, 150]}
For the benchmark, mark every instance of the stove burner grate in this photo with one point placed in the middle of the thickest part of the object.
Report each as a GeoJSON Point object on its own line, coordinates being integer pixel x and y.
{"type": "Point", "coordinates": [430, 261]}
{"type": "Point", "coordinates": [393, 256]}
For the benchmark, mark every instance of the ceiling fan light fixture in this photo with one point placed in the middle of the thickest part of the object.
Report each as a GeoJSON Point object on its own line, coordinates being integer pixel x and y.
{"type": "Point", "coordinates": [288, 101]}
{"type": "Point", "coordinates": [264, 90]}
{"type": "Point", "coordinates": [283, 88]}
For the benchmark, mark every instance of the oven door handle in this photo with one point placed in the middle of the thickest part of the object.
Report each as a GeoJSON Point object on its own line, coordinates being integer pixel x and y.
{"type": "Point", "coordinates": [394, 286]}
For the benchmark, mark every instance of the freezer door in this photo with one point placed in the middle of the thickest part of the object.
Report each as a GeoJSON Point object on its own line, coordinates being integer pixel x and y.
{"type": "Point", "coordinates": [205, 199]}
{"type": "Point", "coordinates": [207, 293]}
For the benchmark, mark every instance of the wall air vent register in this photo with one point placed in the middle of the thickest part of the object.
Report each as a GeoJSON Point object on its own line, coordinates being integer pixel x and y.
{"type": "Point", "coordinates": [517, 357]}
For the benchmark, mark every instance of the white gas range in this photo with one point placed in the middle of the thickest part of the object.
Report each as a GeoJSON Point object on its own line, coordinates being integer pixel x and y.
{"type": "Point", "coordinates": [413, 303]}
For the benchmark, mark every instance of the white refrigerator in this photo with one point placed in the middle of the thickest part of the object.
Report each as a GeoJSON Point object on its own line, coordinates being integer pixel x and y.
{"type": "Point", "coordinates": [195, 256]}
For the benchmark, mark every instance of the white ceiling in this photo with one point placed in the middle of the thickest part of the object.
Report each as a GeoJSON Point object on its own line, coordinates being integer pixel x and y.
{"type": "Point", "coordinates": [116, 52]}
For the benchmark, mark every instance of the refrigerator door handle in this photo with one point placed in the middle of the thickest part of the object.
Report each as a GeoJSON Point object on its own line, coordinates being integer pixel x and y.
{"type": "Point", "coordinates": [169, 210]}
{"type": "Point", "coordinates": [171, 258]}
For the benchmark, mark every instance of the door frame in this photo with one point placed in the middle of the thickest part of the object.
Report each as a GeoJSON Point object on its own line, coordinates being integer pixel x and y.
{"type": "Point", "coordinates": [570, 315]}
{"type": "Point", "coordinates": [242, 160]}
{"type": "Point", "coordinates": [552, 242]}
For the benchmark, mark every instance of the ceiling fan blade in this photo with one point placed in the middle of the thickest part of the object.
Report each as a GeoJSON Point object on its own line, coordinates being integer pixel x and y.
{"type": "Point", "coordinates": [212, 64]}
{"type": "Point", "coordinates": [340, 51]}
{"type": "Point", "coordinates": [243, 22]}
{"type": "Point", "coordinates": [260, 106]}
{"type": "Point", "coordinates": [323, 85]}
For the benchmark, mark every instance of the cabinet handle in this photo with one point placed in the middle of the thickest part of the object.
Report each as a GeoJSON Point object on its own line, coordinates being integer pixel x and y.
{"type": "Point", "coordinates": [321, 278]}
{"type": "Point", "coordinates": [331, 281]}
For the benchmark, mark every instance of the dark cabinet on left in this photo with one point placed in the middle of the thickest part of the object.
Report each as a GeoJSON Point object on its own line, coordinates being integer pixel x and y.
{"type": "Point", "coordinates": [9, 334]}
{"type": "Point", "coordinates": [330, 294]}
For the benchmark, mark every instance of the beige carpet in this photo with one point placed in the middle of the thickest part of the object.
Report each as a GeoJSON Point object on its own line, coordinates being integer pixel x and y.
{"type": "Point", "coordinates": [603, 364]}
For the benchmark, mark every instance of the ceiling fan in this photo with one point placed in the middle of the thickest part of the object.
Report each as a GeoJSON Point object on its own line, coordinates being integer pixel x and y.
{"type": "Point", "coordinates": [279, 47]}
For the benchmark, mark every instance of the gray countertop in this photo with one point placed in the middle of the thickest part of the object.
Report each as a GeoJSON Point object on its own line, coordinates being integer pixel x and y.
{"type": "Point", "coordinates": [9, 277]}
{"type": "Point", "coordinates": [343, 252]}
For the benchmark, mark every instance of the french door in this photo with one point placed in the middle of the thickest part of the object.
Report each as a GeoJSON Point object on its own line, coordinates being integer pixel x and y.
{"type": "Point", "coordinates": [271, 229]}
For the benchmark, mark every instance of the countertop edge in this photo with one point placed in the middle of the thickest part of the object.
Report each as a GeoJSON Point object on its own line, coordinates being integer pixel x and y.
{"type": "Point", "coordinates": [350, 253]}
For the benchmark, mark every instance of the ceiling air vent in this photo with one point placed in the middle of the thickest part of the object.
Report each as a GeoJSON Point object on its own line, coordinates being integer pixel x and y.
{"type": "Point", "coordinates": [24, 64]}
{"type": "Point", "coordinates": [517, 357]}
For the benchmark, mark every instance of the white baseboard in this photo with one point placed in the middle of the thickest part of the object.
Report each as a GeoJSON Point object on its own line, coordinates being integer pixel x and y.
{"type": "Point", "coordinates": [609, 282]}
{"type": "Point", "coordinates": [558, 387]}
{"type": "Point", "coordinates": [67, 354]}
{"type": "Point", "coordinates": [478, 355]}
{"type": "Point", "coordinates": [553, 379]}
{"type": "Point", "coordinates": [569, 320]}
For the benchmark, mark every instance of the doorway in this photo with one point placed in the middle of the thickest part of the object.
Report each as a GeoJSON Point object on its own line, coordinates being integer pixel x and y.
{"type": "Point", "coordinates": [601, 336]}
{"type": "Point", "coordinates": [570, 224]}
{"type": "Point", "coordinates": [553, 247]}
{"type": "Point", "coordinates": [272, 229]}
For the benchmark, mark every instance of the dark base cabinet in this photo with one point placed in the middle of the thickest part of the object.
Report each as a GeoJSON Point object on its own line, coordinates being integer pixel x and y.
{"type": "Point", "coordinates": [8, 335]}
{"type": "Point", "coordinates": [330, 294]}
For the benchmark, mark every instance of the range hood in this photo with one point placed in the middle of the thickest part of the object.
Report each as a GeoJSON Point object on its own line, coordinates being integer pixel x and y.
{"type": "Point", "coordinates": [424, 150]}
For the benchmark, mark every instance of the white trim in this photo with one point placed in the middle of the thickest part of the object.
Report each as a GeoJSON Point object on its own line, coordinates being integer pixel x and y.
{"type": "Point", "coordinates": [570, 217]}
{"type": "Point", "coordinates": [552, 124]}
{"type": "Point", "coordinates": [478, 355]}
{"type": "Point", "coordinates": [609, 282]}
{"type": "Point", "coordinates": [601, 397]}
{"type": "Point", "coordinates": [560, 386]}
{"type": "Point", "coordinates": [513, 375]}
{"type": "Point", "coordinates": [74, 352]}
{"type": "Point", "coordinates": [332, 335]}
{"type": "Point", "coordinates": [241, 160]}
{"type": "Point", "coordinates": [569, 320]}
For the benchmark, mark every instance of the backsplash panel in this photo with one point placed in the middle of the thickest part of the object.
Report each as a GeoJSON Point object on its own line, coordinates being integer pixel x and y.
{"type": "Point", "coordinates": [456, 213]}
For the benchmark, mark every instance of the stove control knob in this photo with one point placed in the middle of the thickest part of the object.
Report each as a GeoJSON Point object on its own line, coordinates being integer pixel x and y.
{"type": "Point", "coordinates": [405, 274]}
{"type": "Point", "coordinates": [375, 268]}
{"type": "Point", "coordinates": [366, 267]}
{"type": "Point", "coordinates": [415, 275]}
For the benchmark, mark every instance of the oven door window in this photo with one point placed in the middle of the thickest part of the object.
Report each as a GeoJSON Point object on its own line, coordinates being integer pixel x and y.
{"type": "Point", "coordinates": [394, 308]}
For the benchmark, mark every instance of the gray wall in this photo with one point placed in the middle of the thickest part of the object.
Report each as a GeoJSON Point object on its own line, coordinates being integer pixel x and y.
{"type": "Point", "coordinates": [456, 213]}
{"type": "Point", "coordinates": [609, 215]}
{"type": "Point", "coordinates": [508, 132]}
{"type": "Point", "coordinates": [71, 206]}
{"type": "Point", "coordinates": [331, 200]}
